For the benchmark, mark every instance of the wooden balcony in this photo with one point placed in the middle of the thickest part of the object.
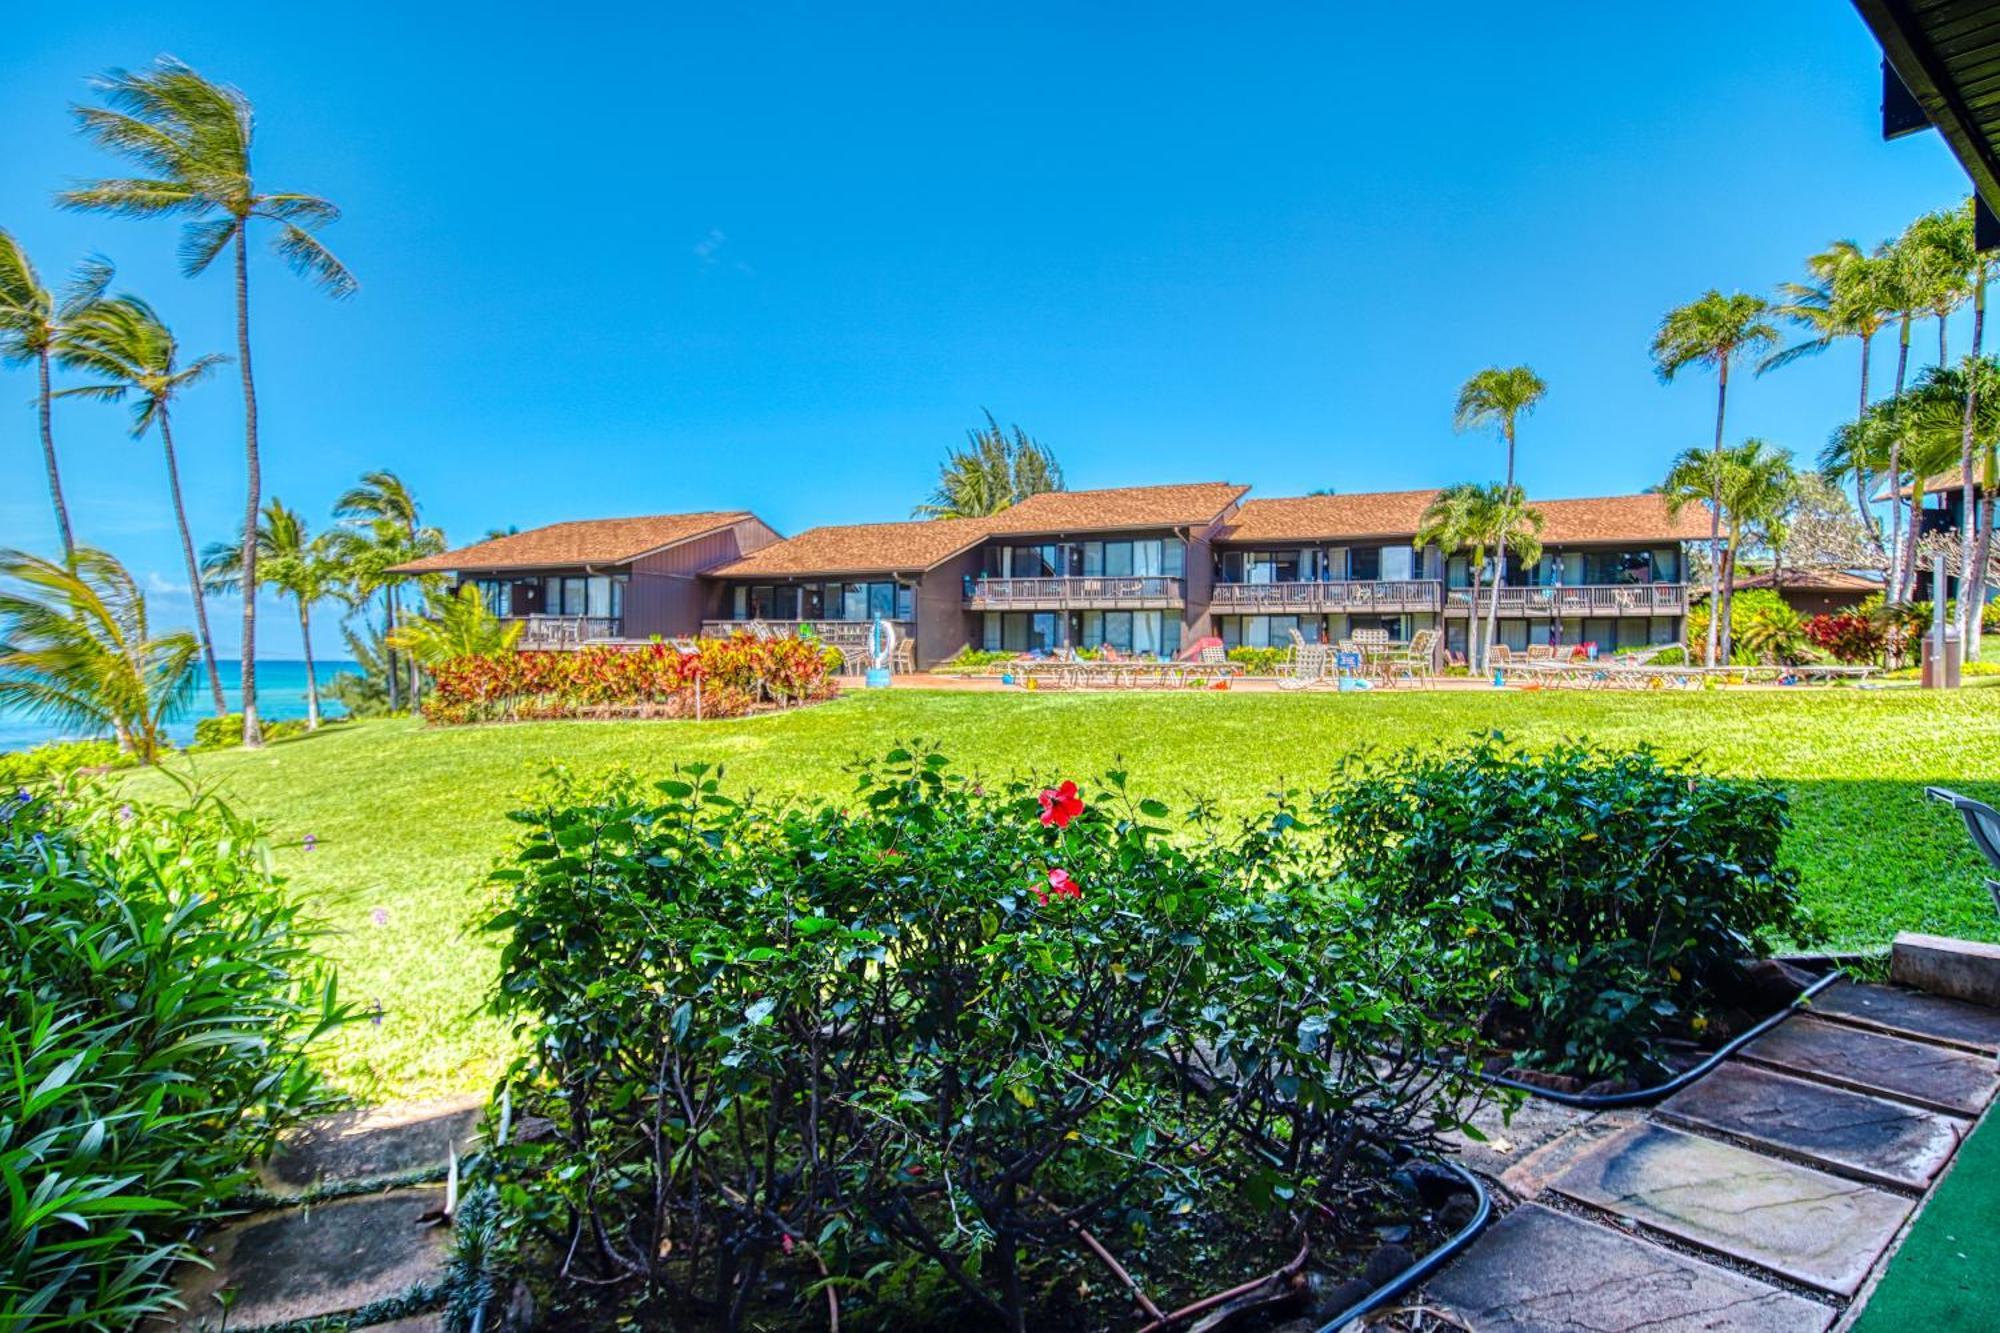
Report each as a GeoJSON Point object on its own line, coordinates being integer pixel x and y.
{"type": "Point", "coordinates": [1387, 596]}
{"type": "Point", "coordinates": [540, 632]}
{"type": "Point", "coordinates": [1606, 599]}
{"type": "Point", "coordinates": [1109, 592]}
{"type": "Point", "coordinates": [850, 636]}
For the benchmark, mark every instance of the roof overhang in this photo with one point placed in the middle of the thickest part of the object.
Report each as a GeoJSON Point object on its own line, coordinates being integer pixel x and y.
{"type": "Point", "coordinates": [1947, 54]}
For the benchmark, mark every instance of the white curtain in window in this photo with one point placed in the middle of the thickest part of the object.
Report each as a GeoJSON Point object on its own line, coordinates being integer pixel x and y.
{"type": "Point", "coordinates": [1398, 563]}
{"type": "Point", "coordinates": [1146, 629]}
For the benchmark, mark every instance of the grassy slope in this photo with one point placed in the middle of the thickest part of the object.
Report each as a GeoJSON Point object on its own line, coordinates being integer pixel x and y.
{"type": "Point", "coordinates": [407, 819]}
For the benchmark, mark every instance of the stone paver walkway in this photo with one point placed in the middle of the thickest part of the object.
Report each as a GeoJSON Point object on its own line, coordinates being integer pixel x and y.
{"type": "Point", "coordinates": [1760, 1199]}
{"type": "Point", "coordinates": [352, 1235]}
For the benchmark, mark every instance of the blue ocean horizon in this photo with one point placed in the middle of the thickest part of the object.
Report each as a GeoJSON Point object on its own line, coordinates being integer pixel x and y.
{"type": "Point", "coordinates": [281, 694]}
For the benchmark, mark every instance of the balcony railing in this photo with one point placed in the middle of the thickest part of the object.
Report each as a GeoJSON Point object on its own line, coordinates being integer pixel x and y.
{"type": "Point", "coordinates": [1596, 599]}
{"type": "Point", "coordinates": [850, 636]}
{"type": "Point", "coordinates": [1113, 592]}
{"type": "Point", "coordinates": [565, 631]}
{"type": "Point", "coordinates": [1390, 596]}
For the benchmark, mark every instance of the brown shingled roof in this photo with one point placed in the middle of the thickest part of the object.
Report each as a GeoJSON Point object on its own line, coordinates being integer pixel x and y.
{"type": "Point", "coordinates": [1813, 580]}
{"type": "Point", "coordinates": [1400, 514]}
{"type": "Point", "coordinates": [1196, 504]}
{"type": "Point", "coordinates": [862, 548]}
{"type": "Point", "coordinates": [591, 541]}
{"type": "Point", "coordinates": [1944, 481]}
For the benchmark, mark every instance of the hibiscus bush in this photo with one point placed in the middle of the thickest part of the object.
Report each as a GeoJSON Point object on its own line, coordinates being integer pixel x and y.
{"type": "Point", "coordinates": [1614, 890]}
{"type": "Point", "coordinates": [914, 1040]}
{"type": "Point", "coordinates": [1848, 637]}
{"type": "Point", "coordinates": [721, 678]}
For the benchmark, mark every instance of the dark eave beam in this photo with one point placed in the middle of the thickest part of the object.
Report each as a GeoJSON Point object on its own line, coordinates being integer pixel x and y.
{"type": "Point", "coordinates": [1901, 34]}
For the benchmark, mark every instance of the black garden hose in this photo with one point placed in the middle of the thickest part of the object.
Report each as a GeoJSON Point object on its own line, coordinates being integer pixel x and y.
{"type": "Point", "coordinates": [1424, 1267]}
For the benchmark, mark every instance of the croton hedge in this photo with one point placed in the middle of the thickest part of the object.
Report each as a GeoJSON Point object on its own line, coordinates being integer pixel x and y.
{"type": "Point", "coordinates": [906, 1045]}
{"type": "Point", "coordinates": [730, 677]}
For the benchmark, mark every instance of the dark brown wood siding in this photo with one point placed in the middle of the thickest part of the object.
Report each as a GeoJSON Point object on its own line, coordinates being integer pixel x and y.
{"type": "Point", "coordinates": [944, 626]}
{"type": "Point", "coordinates": [667, 595]}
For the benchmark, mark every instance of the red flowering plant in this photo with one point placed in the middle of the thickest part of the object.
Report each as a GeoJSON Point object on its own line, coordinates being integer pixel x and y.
{"type": "Point", "coordinates": [921, 1030]}
{"type": "Point", "coordinates": [733, 675]}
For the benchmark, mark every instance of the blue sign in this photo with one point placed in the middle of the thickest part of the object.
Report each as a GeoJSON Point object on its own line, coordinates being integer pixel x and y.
{"type": "Point", "coordinates": [1347, 661]}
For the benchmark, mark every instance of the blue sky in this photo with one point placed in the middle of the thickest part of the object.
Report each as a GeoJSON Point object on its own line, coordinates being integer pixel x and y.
{"type": "Point", "coordinates": [780, 256]}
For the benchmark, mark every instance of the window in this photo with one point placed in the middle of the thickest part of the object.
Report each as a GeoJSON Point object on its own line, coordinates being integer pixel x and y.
{"type": "Point", "coordinates": [618, 597]}
{"type": "Point", "coordinates": [1662, 630]}
{"type": "Point", "coordinates": [1232, 631]}
{"type": "Point", "coordinates": [1093, 559]}
{"type": "Point", "coordinates": [990, 637]}
{"type": "Point", "coordinates": [739, 598]}
{"type": "Point", "coordinates": [1398, 563]}
{"type": "Point", "coordinates": [1514, 633]}
{"type": "Point", "coordinates": [1667, 565]}
{"type": "Point", "coordinates": [1364, 563]}
{"type": "Point", "coordinates": [906, 602]}
{"type": "Point", "coordinates": [854, 601]}
{"type": "Point", "coordinates": [1229, 567]}
{"type": "Point", "coordinates": [1146, 558]}
{"type": "Point", "coordinates": [497, 595]}
{"type": "Point", "coordinates": [812, 602]}
{"type": "Point", "coordinates": [1117, 559]}
{"type": "Point", "coordinates": [1173, 558]}
{"type": "Point", "coordinates": [881, 601]}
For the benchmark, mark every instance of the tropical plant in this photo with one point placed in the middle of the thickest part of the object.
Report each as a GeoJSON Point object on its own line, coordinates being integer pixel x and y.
{"type": "Point", "coordinates": [1461, 518]}
{"type": "Point", "coordinates": [159, 991]}
{"type": "Point", "coordinates": [456, 626]}
{"type": "Point", "coordinates": [990, 473]}
{"type": "Point", "coordinates": [1746, 484]}
{"type": "Point", "coordinates": [1713, 330]}
{"type": "Point", "coordinates": [130, 353]}
{"type": "Point", "coordinates": [1845, 299]}
{"type": "Point", "coordinates": [294, 562]}
{"type": "Point", "coordinates": [1947, 406]}
{"type": "Point", "coordinates": [1517, 530]}
{"type": "Point", "coordinates": [77, 649]}
{"type": "Point", "coordinates": [1498, 398]}
{"type": "Point", "coordinates": [32, 324]}
{"type": "Point", "coordinates": [364, 691]}
{"type": "Point", "coordinates": [191, 138]}
{"type": "Point", "coordinates": [1775, 635]}
{"type": "Point", "coordinates": [382, 527]}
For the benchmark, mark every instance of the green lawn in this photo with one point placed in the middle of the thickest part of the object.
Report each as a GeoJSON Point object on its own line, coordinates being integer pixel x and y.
{"type": "Point", "coordinates": [406, 820]}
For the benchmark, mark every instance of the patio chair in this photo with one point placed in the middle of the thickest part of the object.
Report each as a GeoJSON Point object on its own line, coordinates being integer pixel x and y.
{"type": "Point", "coordinates": [1541, 652]}
{"type": "Point", "coordinates": [1982, 822]}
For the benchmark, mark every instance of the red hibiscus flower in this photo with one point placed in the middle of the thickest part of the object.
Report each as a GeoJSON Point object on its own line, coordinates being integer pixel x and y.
{"type": "Point", "coordinates": [1060, 805]}
{"type": "Point", "coordinates": [1063, 886]}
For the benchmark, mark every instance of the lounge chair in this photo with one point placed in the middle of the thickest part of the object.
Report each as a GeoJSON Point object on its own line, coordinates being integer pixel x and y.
{"type": "Point", "coordinates": [1982, 822]}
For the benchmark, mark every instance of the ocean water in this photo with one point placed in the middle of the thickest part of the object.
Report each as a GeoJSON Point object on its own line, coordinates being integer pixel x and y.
{"type": "Point", "coordinates": [281, 693]}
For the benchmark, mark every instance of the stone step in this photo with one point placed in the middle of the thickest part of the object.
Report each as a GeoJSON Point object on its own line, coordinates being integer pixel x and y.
{"type": "Point", "coordinates": [1541, 1271]}
{"type": "Point", "coordinates": [312, 1262]}
{"type": "Point", "coordinates": [1873, 1138]}
{"type": "Point", "coordinates": [1806, 1225]}
{"type": "Point", "coordinates": [1933, 1077]}
{"type": "Point", "coordinates": [1912, 1013]}
{"type": "Point", "coordinates": [374, 1144]}
{"type": "Point", "coordinates": [1961, 969]}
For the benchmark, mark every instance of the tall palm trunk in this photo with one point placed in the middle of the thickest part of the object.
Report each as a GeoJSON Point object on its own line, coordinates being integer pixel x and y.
{"type": "Point", "coordinates": [49, 459]}
{"type": "Point", "coordinates": [1729, 595]}
{"type": "Point", "coordinates": [1472, 653]}
{"type": "Point", "coordinates": [1862, 510]}
{"type": "Point", "coordinates": [1715, 609]}
{"type": "Point", "coordinates": [1896, 542]}
{"type": "Point", "coordinates": [389, 666]}
{"type": "Point", "coordinates": [312, 679]}
{"type": "Point", "coordinates": [1493, 598]}
{"type": "Point", "coordinates": [1918, 490]}
{"type": "Point", "coordinates": [1968, 523]}
{"type": "Point", "coordinates": [1508, 430]}
{"type": "Point", "coordinates": [193, 567]}
{"type": "Point", "coordinates": [253, 733]}
{"type": "Point", "coordinates": [1983, 555]}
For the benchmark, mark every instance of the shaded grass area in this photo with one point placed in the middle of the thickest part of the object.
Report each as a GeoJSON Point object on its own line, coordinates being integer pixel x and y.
{"type": "Point", "coordinates": [1942, 1280]}
{"type": "Point", "coordinates": [406, 820]}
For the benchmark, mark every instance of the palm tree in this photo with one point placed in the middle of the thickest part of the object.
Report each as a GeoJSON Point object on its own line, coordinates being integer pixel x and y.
{"type": "Point", "coordinates": [192, 140]}
{"type": "Point", "coordinates": [1747, 484]}
{"type": "Point", "coordinates": [1943, 409]}
{"type": "Point", "coordinates": [457, 626]}
{"type": "Point", "coordinates": [1499, 398]}
{"type": "Point", "coordinates": [1844, 300]}
{"type": "Point", "coordinates": [1460, 518]}
{"type": "Point", "coordinates": [991, 473]}
{"type": "Point", "coordinates": [295, 563]}
{"type": "Point", "coordinates": [76, 649]}
{"type": "Point", "coordinates": [1516, 526]}
{"type": "Point", "coordinates": [132, 354]}
{"type": "Point", "coordinates": [1713, 330]}
{"type": "Point", "coordinates": [384, 528]}
{"type": "Point", "coordinates": [32, 323]}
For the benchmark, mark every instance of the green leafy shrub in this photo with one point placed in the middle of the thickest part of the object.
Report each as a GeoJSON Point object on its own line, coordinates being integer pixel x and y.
{"type": "Point", "coordinates": [925, 1032]}
{"type": "Point", "coordinates": [56, 759]}
{"type": "Point", "coordinates": [157, 993]}
{"type": "Point", "coordinates": [1616, 888]}
{"type": "Point", "coordinates": [1260, 661]}
{"type": "Point", "coordinates": [221, 733]}
{"type": "Point", "coordinates": [1774, 635]}
{"type": "Point", "coordinates": [976, 659]}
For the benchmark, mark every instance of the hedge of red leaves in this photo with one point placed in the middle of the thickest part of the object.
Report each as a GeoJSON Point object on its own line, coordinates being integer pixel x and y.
{"type": "Point", "coordinates": [1847, 637]}
{"type": "Point", "coordinates": [734, 676]}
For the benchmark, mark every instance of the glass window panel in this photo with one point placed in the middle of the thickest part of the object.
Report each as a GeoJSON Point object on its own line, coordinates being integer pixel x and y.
{"type": "Point", "coordinates": [552, 596]}
{"type": "Point", "coordinates": [1042, 631]}
{"type": "Point", "coordinates": [881, 601]}
{"type": "Point", "coordinates": [1146, 557]}
{"type": "Point", "coordinates": [1093, 559]}
{"type": "Point", "coordinates": [574, 597]}
{"type": "Point", "coordinates": [597, 595]}
{"type": "Point", "coordinates": [1146, 632]}
{"type": "Point", "coordinates": [1667, 565]}
{"type": "Point", "coordinates": [1664, 629]}
{"type": "Point", "coordinates": [1014, 631]}
{"type": "Point", "coordinates": [618, 597]}
{"type": "Point", "coordinates": [1514, 633]}
{"type": "Point", "coordinates": [1398, 562]}
{"type": "Point", "coordinates": [906, 602]}
{"type": "Point", "coordinates": [1335, 565]}
{"type": "Point", "coordinates": [812, 602]}
{"type": "Point", "coordinates": [1117, 558]}
{"type": "Point", "coordinates": [991, 639]}
{"type": "Point", "coordinates": [785, 602]}
{"type": "Point", "coordinates": [740, 598]}
{"type": "Point", "coordinates": [854, 601]}
{"type": "Point", "coordinates": [1364, 563]}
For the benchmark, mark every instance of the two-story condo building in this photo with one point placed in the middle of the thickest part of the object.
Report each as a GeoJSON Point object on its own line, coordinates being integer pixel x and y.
{"type": "Point", "coordinates": [1144, 569]}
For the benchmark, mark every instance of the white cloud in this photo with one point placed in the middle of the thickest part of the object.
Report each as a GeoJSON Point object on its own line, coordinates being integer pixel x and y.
{"type": "Point", "coordinates": [159, 583]}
